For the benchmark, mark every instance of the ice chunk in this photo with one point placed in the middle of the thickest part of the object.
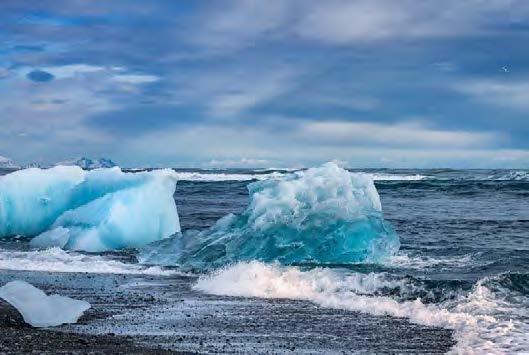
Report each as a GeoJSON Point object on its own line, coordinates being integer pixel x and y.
{"type": "Point", "coordinates": [96, 210]}
{"type": "Point", "coordinates": [57, 237]}
{"type": "Point", "coordinates": [322, 215]}
{"type": "Point", "coordinates": [40, 310]}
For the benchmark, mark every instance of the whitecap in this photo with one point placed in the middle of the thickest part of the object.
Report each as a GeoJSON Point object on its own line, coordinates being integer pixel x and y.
{"type": "Point", "coordinates": [483, 321]}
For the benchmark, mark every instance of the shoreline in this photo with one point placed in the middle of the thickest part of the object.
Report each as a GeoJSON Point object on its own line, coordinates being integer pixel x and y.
{"type": "Point", "coordinates": [17, 337]}
{"type": "Point", "coordinates": [136, 314]}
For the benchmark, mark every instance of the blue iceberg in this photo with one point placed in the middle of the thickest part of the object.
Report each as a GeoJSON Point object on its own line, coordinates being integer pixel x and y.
{"type": "Point", "coordinates": [322, 215]}
{"type": "Point", "coordinates": [98, 210]}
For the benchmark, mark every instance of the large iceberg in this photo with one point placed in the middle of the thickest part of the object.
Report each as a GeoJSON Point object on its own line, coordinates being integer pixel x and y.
{"type": "Point", "coordinates": [321, 215]}
{"type": "Point", "coordinates": [96, 210]}
{"type": "Point", "coordinates": [40, 310]}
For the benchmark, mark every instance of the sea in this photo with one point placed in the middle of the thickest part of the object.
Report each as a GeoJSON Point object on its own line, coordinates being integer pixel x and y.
{"type": "Point", "coordinates": [458, 284]}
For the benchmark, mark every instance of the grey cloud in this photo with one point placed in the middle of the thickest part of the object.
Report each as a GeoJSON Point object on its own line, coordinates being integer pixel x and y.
{"type": "Point", "coordinates": [40, 76]}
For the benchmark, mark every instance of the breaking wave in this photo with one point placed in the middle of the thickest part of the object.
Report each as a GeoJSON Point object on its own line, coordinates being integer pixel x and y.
{"type": "Point", "coordinates": [421, 262]}
{"type": "Point", "coordinates": [490, 318]}
{"type": "Point", "coordinates": [397, 177]}
{"type": "Point", "coordinates": [203, 176]}
{"type": "Point", "coordinates": [513, 175]}
{"type": "Point", "coordinates": [216, 177]}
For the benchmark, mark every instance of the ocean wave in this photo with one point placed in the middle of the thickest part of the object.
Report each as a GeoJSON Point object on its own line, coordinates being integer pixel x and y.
{"type": "Point", "coordinates": [257, 279]}
{"type": "Point", "coordinates": [397, 177]}
{"type": "Point", "coordinates": [509, 282]}
{"type": "Point", "coordinates": [515, 175]}
{"type": "Point", "coordinates": [520, 176]}
{"type": "Point", "coordinates": [58, 260]}
{"type": "Point", "coordinates": [219, 177]}
{"type": "Point", "coordinates": [484, 320]}
{"type": "Point", "coordinates": [420, 262]}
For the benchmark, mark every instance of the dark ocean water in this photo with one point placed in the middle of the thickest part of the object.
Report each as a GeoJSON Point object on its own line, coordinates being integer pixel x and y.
{"type": "Point", "coordinates": [464, 245]}
{"type": "Point", "coordinates": [479, 219]}
{"type": "Point", "coordinates": [464, 253]}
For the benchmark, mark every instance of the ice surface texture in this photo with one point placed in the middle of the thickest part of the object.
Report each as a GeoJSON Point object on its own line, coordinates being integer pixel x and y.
{"type": "Point", "coordinates": [96, 210]}
{"type": "Point", "coordinates": [40, 310]}
{"type": "Point", "coordinates": [322, 215]}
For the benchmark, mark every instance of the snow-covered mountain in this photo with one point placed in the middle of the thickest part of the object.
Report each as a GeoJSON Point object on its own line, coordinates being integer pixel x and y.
{"type": "Point", "coordinates": [87, 164]}
{"type": "Point", "coordinates": [7, 163]}
{"type": "Point", "coordinates": [36, 165]}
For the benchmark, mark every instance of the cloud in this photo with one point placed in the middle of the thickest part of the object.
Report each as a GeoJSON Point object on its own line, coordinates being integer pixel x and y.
{"type": "Point", "coordinates": [40, 76]}
{"type": "Point", "coordinates": [230, 91]}
{"type": "Point", "coordinates": [308, 143]}
{"type": "Point", "coordinates": [362, 21]}
{"type": "Point", "coordinates": [243, 162]}
{"type": "Point", "coordinates": [248, 93]}
{"type": "Point", "coordinates": [366, 20]}
{"type": "Point", "coordinates": [510, 94]}
{"type": "Point", "coordinates": [51, 119]}
{"type": "Point", "coordinates": [360, 103]}
{"type": "Point", "coordinates": [243, 81]}
{"type": "Point", "coordinates": [117, 73]}
{"type": "Point", "coordinates": [237, 24]}
{"type": "Point", "coordinates": [70, 70]}
{"type": "Point", "coordinates": [136, 78]}
{"type": "Point", "coordinates": [343, 133]}
{"type": "Point", "coordinates": [4, 73]}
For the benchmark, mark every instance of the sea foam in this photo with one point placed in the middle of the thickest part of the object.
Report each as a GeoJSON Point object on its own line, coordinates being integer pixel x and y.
{"type": "Point", "coordinates": [58, 260]}
{"type": "Point", "coordinates": [219, 177]}
{"type": "Point", "coordinates": [485, 320]}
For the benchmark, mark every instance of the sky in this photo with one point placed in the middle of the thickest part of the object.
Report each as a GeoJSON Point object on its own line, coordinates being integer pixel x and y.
{"type": "Point", "coordinates": [369, 83]}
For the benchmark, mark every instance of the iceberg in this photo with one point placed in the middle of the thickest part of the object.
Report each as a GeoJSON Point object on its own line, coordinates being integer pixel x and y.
{"type": "Point", "coordinates": [97, 210]}
{"type": "Point", "coordinates": [40, 310]}
{"type": "Point", "coordinates": [322, 215]}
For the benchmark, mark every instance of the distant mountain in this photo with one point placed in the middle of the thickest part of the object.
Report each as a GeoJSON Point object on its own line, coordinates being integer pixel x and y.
{"type": "Point", "coordinates": [35, 165]}
{"type": "Point", "coordinates": [6, 163]}
{"type": "Point", "coordinates": [87, 164]}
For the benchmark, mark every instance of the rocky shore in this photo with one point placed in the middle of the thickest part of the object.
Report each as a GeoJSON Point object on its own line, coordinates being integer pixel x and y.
{"type": "Point", "coordinates": [16, 337]}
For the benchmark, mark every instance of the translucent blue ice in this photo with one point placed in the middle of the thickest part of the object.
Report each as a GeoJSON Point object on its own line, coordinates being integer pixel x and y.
{"type": "Point", "coordinates": [40, 310]}
{"type": "Point", "coordinates": [96, 210]}
{"type": "Point", "coordinates": [322, 215]}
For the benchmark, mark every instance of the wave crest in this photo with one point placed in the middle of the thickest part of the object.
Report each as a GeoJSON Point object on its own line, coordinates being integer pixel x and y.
{"type": "Point", "coordinates": [485, 320]}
